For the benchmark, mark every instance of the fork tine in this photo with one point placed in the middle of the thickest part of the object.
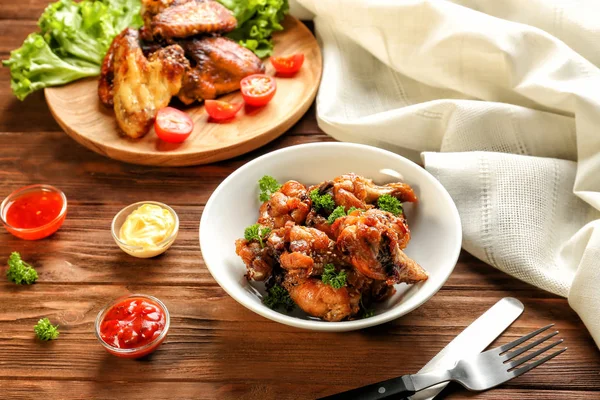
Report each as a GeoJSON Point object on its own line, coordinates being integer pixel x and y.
{"type": "Point", "coordinates": [513, 354]}
{"type": "Point", "coordinates": [522, 339]}
{"type": "Point", "coordinates": [522, 370]}
{"type": "Point", "coordinates": [528, 357]}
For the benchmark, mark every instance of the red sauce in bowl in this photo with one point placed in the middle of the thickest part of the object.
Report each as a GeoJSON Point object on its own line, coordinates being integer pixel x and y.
{"type": "Point", "coordinates": [132, 327]}
{"type": "Point", "coordinates": [34, 212]}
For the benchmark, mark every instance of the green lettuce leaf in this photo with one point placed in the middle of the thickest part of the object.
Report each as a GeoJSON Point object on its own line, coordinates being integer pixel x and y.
{"type": "Point", "coordinates": [73, 39]}
{"type": "Point", "coordinates": [34, 66]}
{"type": "Point", "coordinates": [257, 20]}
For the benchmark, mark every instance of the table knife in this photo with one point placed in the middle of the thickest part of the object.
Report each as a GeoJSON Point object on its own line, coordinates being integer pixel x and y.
{"type": "Point", "coordinates": [473, 340]}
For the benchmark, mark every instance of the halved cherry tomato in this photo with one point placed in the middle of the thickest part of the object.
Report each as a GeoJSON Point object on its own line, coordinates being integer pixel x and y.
{"type": "Point", "coordinates": [288, 65]}
{"type": "Point", "coordinates": [172, 125]}
{"type": "Point", "coordinates": [221, 110]}
{"type": "Point", "coordinates": [258, 89]}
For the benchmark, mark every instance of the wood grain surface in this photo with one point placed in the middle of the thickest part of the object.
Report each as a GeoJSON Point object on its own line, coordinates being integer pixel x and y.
{"type": "Point", "coordinates": [216, 349]}
{"type": "Point", "coordinates": [78, 111]}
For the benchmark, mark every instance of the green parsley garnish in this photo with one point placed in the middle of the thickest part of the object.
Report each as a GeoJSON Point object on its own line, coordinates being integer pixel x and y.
{"type": "Point", "coordinates": [278, 297]}
{"type": "Point", "coordinates": [19, 271]}
{"type": "Point", "coordinates": [267, 185]}
{"type": "Point", "coordinates": [338, 212]}
{"type": "Point", "coordinates": [256, 232]}
{"type": "Point", "coordinates": [390, 204]}
{"type": "Point", "coordinates": [322, 201]}
{"type": "Point", "coordinates": [45, 330]}
{"type": "Point", "coordinates": [366, 312]}
{"type": "Point", "coordinates": [332, 278]}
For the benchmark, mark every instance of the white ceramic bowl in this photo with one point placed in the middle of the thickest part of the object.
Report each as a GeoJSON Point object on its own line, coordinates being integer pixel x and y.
{"type": "Point", "coordinates": [434, 224]}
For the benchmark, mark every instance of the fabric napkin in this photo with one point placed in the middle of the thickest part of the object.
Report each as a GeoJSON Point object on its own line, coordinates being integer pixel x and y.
{"type": "Point", "coordinates": [502, 102]}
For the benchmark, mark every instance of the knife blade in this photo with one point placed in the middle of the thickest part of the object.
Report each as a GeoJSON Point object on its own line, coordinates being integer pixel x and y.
{"type": "Point", "coordinates": [473, 340]}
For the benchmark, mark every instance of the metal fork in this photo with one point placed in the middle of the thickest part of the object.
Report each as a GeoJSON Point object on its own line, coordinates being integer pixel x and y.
{"type": "Point", "coordinates": [480, 372]}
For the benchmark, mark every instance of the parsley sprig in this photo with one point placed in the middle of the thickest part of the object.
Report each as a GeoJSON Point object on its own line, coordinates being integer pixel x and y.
{"type": "Point", "coordinates": [19, 271]}
{"type": "Point", "coordinates": [339, 212]}
{"type": "Point", "coordinates": [332, 278]}
{"type": "Point", "coordinates": [45, 330]}
{"type": "Point", "coordinates": [390, 204]}
{"type": "Point", "coordinates": [267, 185]}
{"type": "Point", "coordinates": [322, 201]}
{"type": "Point", "coordinates": [257, 232]}
{"type": "Point", "coordinates": [277, 297]}
{"type": "Point", "coordinates": [366, 312]}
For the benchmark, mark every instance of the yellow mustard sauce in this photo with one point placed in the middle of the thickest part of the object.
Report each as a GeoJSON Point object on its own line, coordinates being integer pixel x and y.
{"type": "Point", "coordinates": [147, 226]}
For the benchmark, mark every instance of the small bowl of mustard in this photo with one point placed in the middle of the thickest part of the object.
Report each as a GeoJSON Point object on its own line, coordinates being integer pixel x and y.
{"type": "Point", "coordinates": [145, 229]}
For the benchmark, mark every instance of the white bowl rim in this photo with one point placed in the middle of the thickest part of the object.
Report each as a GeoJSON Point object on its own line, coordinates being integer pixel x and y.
{"type": "Point", "coordinates": [318, 325]}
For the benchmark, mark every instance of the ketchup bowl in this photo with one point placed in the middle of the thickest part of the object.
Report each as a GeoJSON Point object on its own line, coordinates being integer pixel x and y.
{"type": "Point", "coordinates": [34, 212]}
{"type": "Point", "coordinates": [132, 326]}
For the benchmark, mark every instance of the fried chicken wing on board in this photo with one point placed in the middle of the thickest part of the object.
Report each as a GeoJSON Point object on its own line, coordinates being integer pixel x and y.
{"type": "Point", "coordinates": [107, 72]}
{"type": "Point", "coordinates": [142, 86]}
{"type": "Point", "coordinates": [218, 66]}
{"type": "Point", "coordinates": [321, 300]}
{"type": "Point", "coordinates": [290, 203]}
{"type": "Point", "coordinates": [374, 240]}
{"type": "Point", "coordinates": [150, 8]}
{"type": "Point", "coordinates": [189, 18]}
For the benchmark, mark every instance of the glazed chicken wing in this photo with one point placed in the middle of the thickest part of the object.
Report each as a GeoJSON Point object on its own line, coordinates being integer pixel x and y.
{"type": "Point", "coordinates": [219, 64]}
{"type": "Point", "coordinates": [190, 18]}
{"type": "Point", "coordinates": [374, 240]}
{"type": "Point", "coordinates": [258, 260]}
{"type": "Point", "coordinates": [321, 300]}
{"type": "Point", "coordinates": [351, 190]}
{"type": "Point", "coordinates": [302, 250]}
{"type": "Point", "coordinates": [142, 86]}
{"type": "Point", "coordinates": [290, 203]}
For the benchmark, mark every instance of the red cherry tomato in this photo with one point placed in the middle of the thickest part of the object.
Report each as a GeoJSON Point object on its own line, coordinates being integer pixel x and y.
{"type": "Point", "coordinates": [258, 89]}
{"type": "Point", "coordinates": [172, 125]}
{"type": "Point", "coordinates": [288, 65]}
{"type": "Point", "coordinates": [221, 110]}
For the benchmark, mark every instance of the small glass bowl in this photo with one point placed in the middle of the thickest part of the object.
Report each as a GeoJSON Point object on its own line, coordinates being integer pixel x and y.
{"type": "Point", "coordinates": [41, 231]}
{"type": "Point", "coordinates": [138, 251]}
{"type": "Point", "coordinates": [138, 351]}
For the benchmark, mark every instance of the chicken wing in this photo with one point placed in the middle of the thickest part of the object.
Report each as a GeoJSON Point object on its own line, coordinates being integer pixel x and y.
{"type": "Point", "coordinates": [321, 300]}
{"type": "Point", "coordinates": [351, 190]}
{"type": "Point", "coordinates": [219, 64]}
{"type": "Point", "coordinates": [107, 72]}
{"type": "Point", "coordinates": [150, 8]}
{"type": "Point", "coordinates": [191, 18]}
{"type": "Point", "coordinates": [302, 250]}
{"type": "Point", "coordinates": [142, 86]}
{"type": "Point", "coordinates": [289, 203]}
{"type": "Point", "coordinates": [373, 240]}
{"type": "Point", "coordinates": [258, 260]}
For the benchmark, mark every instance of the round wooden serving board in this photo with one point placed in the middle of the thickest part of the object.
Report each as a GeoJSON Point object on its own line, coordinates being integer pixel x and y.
{"type": "Point", "coordinates": [78, 111]}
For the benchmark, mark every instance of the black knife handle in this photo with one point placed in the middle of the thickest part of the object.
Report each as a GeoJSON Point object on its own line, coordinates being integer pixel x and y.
{"type": "Point", "coordinates": [400, 387]}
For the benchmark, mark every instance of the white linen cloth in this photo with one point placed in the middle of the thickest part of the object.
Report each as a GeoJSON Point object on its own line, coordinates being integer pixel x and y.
{"type": "Point", "coordinates": [503, 99]}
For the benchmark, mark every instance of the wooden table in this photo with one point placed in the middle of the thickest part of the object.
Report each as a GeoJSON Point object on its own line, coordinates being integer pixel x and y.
{"type": "Point", "coordinates": [217, 349]}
